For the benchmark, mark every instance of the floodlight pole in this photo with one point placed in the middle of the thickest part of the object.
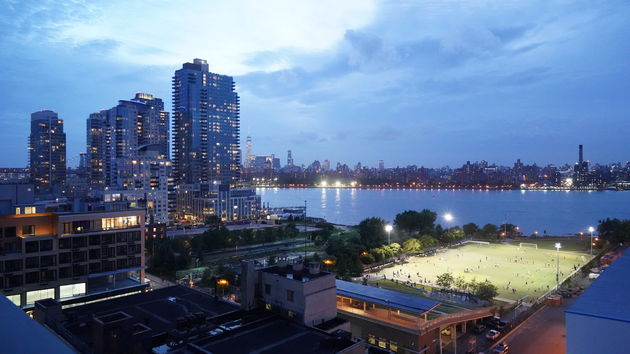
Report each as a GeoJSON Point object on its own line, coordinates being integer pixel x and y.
{"type": "Point", "coordinates": [558, 266]}
{"type": "Point", "coordinates": [305, 234]}
{"type": "Point", "coordinates": [591, 229]}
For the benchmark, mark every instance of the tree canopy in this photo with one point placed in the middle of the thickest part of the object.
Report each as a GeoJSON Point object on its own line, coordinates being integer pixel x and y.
{"type": "Point", "coordinates": [372, 232]}
{"type": "Point", "coordinates": [445, 280]}
{"type": "Point", "coordinates": [411, 220]}
{"type": "Point", "coordinates": [412, 245]}
{"type": "Point", "coordinates": [614, 231]}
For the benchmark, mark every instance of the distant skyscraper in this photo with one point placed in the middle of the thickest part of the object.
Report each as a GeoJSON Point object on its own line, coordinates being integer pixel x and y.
{"type": "Point", "coordinates": [120, 131]}
{"type": "Point", "coordinates": [381, 165]}
{"type": "Point", "coordinates": [289, 158]}
{"type": "Point", "coordinates": [326, 166]}
{"type": "Point", "coordinates": [249, 155]}
{"type": "Point", "coordinates": [47, 152]}
{"type": "Point", "coordinates": [205, 126]}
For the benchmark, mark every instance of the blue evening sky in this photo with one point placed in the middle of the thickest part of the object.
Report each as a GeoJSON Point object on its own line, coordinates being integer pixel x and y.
{"type": "Point", "coordinates": [431, 82]}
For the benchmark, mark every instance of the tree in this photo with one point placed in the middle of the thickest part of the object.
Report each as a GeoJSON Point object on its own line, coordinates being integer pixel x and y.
{"type": "Point", "coordinates": [212, 220]}
{"type": "Point", "coordinates": [489, 231]}
{"type": "Point", "coordinates": [411, 220]}
{"type": "Point", "coordinates": [367, 258]}
{"type": "Point", "coordinates": [508, 228]}
{"type": "Point", "coordinates": [460, 283]}
{"type": "Point", "coordinates": [486, 290]}
{"type": "Point", "coordinates": [407, 220]}
{"type": "Point", "coordinates": [453, 235]}
{"type": "Point", "coordinates": [614, 231]}
{"type": "Point", "coordinates": [412, 245]}
{"type": "Point", "coordinates": [428, 241]}
{"type": "Point", "coordinates": [445, 280]}
{"type": "Point", "coordinates": [427, 221]}
{"type": "Point", "coordinates": [471, 229]}
{"type": "Point", "coordinates": [372, 232]}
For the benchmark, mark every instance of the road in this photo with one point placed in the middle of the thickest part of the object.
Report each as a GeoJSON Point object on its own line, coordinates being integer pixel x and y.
{"type": "Point", "coordinates": [542, 333]}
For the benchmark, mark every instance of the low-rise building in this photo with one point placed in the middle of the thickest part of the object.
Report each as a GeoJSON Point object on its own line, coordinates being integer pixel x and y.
{"type": "Point", "coordinates": [71, 256]}
{"type": "Point", "coordinates": [306, 295]}
{"type": "Point", "coordinates": [195, 202]}
{"type": "Point", "coordinates": [182, 320]}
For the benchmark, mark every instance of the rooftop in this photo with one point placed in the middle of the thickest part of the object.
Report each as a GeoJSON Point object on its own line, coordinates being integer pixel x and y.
{"type": "Point", "coordinates": [275, 335]}
{"type": "Point", "coordinates": [392, 299]}
{"type": "Point", "coordinates": [160, 310]}
{"type": "Point", "coordinates": [607, 297]}
{"type": "Point", "coordinates": [295, 271]}
{"type": "Point", "coordinates": [16, 325]}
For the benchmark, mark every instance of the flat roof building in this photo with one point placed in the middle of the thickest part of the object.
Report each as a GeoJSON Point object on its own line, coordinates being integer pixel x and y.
{"type": "Point", "coordinates": [599, 320]}
{"type": "Point", "coordinates": [72, 257]}
{"type": "Point", "coordinates": [401, 322]}
{"type": "Point", "coordinates": [179, 319]}
{"type": "Point", "coordinates": [16, 325]}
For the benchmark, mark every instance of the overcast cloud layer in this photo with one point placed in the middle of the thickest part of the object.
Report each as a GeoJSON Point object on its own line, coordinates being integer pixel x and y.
{"type": "Point", "coordinates": [410, 82]}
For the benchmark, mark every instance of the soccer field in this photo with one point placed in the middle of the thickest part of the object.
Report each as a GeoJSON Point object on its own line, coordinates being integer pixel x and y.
{"type": "Point", "coordinates": [517, 272]}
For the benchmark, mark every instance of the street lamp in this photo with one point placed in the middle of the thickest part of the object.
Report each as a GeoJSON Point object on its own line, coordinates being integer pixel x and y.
{"type": "Point", "coordinates": [558, 265]}
{"type": "Point", "coordinates": [389, 229]}
{"type": "Point", "coordinates": [591, 229]}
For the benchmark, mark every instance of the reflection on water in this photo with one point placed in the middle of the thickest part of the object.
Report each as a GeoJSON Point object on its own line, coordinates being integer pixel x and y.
{"type": "Point", "coordinates": [556, 212]}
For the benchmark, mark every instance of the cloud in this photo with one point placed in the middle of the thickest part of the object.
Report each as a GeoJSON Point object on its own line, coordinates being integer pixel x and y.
{"type": "Point", "coordinates": [226, 33]}
{"type": "Point", "coordinates": [329, 75]}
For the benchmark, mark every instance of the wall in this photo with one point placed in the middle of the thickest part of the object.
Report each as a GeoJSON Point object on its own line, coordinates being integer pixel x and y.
{"type": "Point", "coordinates": [587, 335]}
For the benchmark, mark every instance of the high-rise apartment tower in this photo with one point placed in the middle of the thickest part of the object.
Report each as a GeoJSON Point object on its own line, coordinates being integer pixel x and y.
{"type": "Point", "coordinates": [47, 152]}
{"type": "Point", "coordinates": [206, 126]}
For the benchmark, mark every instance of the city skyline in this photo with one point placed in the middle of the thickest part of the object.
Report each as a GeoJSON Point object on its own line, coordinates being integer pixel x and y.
{"type": "Point", "coordinates": [439, 95]}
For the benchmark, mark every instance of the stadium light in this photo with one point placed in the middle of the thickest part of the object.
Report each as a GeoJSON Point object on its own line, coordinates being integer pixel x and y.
{"type": "Point", "coordinates": [389, 229]}
{"type": "Point", "coordinates": [558, 246]}
{"type": "Point", "coordinates": [591, 229]}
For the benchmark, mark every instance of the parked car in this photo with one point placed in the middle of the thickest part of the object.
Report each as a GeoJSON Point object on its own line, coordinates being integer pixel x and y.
{"type": "Point", "coordinates": [480, 328]}
{"type": "Point", "coordinates": [498, 350]}
{"type": "Point", "coordinates": [502, 348]}
{"type": "Point", "coordinates": [495, 323]}
{"type": "Point", "coordinates": [493, 334]}
{"type": "Point", "coordinates": [501, 324]}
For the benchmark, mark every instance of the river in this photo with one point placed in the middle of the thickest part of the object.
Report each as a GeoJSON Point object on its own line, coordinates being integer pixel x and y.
{"type": "Point", "coordinates": [553, 212]}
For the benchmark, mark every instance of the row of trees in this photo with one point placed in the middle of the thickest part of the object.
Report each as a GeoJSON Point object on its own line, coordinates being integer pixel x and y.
{"type": "Point", "coordinates": [484, 290]}
{"type": "Point", "coordinates": [614, 231]}
{"type": "Point", "coordinates": [220, 237]}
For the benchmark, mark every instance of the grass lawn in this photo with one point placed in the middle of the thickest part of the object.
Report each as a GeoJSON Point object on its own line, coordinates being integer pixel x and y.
{"type": "Point", "coordinates": [528, 271]}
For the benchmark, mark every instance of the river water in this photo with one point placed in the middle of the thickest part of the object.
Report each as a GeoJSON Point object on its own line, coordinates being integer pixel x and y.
{"type": "Point", "coordinates": [556, 212]}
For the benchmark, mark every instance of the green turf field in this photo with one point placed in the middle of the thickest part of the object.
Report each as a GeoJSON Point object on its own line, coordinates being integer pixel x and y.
{"type": "Point", "coordinates": [526, 270]}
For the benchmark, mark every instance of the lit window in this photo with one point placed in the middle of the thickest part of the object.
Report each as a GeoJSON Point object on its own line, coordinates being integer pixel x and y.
{"type": "Point", "coordinates": [382, 343]}
{"type": "Point", "coordinates": [71, 290]}
{"type": "Point", "coordinates": [17, 211]}
{"type": "Point", "coordinates": [393, 346]}
{"type": "Point", "coordinates": [30, 210]}
{"type": "Point", "coordinates": [36, 295]}
{"type": "Point", "coordinates": [28, 230]}
{"type": "Point", "coordinates": [16, 299]}
{"type": "Point", "coordinates": [268, 307]}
